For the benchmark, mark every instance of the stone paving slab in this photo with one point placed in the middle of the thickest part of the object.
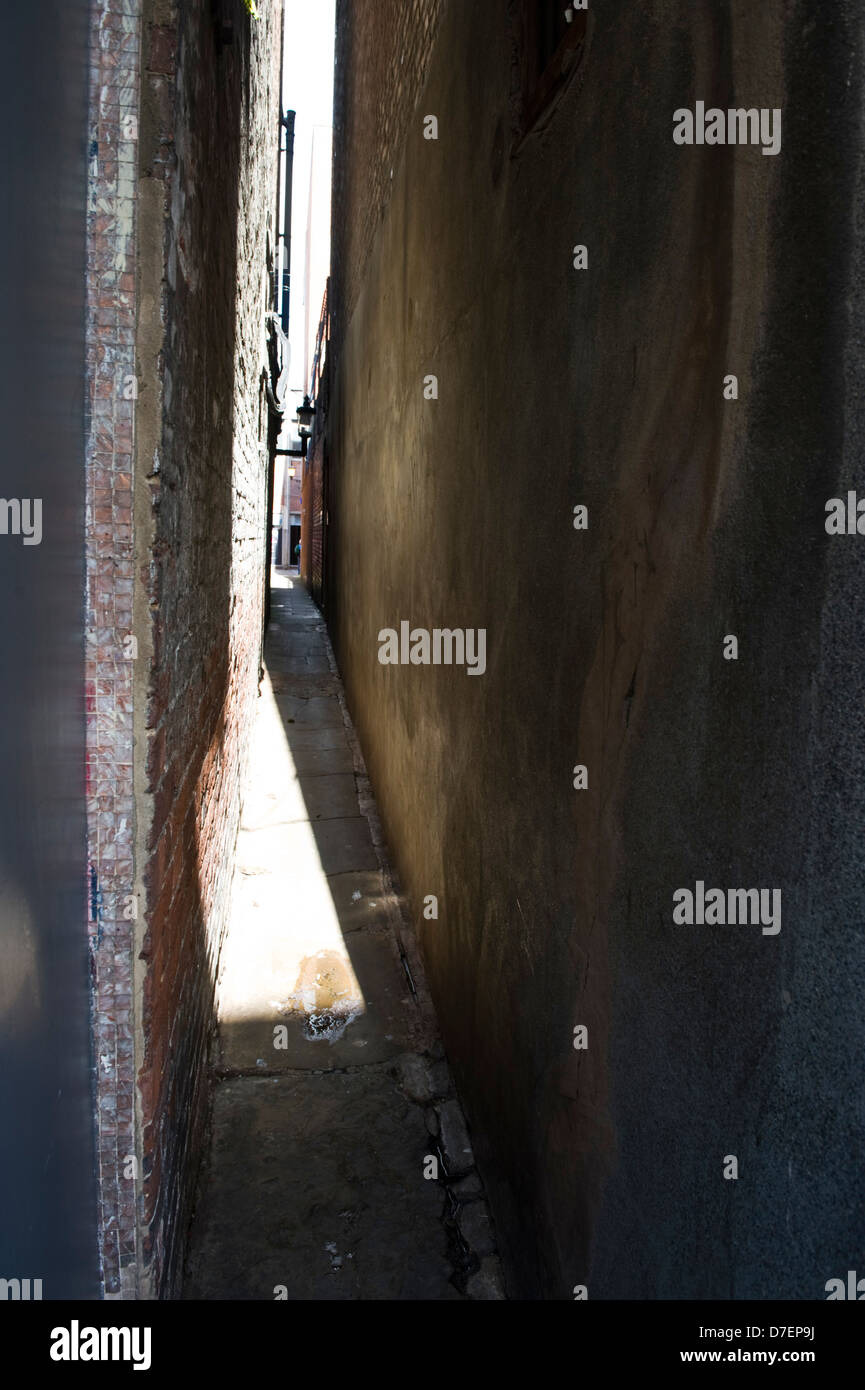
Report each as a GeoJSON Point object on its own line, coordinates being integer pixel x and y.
{"type": "Point", "coordinates": [315, 663]}
{"type": "Point", "coordinates": [329, 796]}
{"type": "Point", "coordinates": [318, 712]}
{"type": "Point", "coordinates": [311, 762]}
{"type": "Point", "coordinates": [344, 845]}
{"type": "Point", "coordinates": [359, 899]}
{"type": "Point", "coordinates": [333, 1089]}
{"type": "Point", "coordinates": [308, 739]}
{"type": "Point", "coordinates": [320, 1013]}
{"type": "Point", "coordinates": [316, 1188]}
{"type": "Point", "coordinates": [298, 648]}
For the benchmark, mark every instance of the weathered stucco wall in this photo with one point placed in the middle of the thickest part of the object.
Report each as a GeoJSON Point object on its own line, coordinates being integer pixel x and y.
{"type": "Point", "coordinates": [604, 387]}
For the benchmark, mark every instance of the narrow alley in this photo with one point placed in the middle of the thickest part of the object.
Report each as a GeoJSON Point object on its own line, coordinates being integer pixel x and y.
{"type": "Point", "coordinates": [431, 866]}
{"type": "Point", "coordinates": [333, 1097]}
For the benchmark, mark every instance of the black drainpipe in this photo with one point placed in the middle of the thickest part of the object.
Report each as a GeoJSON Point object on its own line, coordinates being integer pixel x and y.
{"type": "Point", "coordinates": [281, 292]}
{"type": "Point", "coordinates": [285, 235]}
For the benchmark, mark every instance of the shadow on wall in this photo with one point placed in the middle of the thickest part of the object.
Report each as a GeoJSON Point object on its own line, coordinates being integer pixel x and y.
{"type": "Point", "coordinates": [206, 608]}
{"type": "Point", "coordinates": [327, 1082]}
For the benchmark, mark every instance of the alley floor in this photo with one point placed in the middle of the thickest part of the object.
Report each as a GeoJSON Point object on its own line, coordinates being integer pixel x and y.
{"type": "Point", "coordinates": [332, 1093]}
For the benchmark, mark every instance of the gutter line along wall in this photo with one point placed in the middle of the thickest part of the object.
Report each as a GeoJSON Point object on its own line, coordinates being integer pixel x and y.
{"type": "Point", "coordinates": [560, 387]}
{"type": "Point", "coordinates": [204, 195]}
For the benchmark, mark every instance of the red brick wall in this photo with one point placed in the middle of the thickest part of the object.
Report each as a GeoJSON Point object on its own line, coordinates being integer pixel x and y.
{"type": "Point", "coordinates": [208, 494]}
{"type": "Point", "coordinates": [189, 496]}
{"type": "Point", "coordinates": [312, 520]}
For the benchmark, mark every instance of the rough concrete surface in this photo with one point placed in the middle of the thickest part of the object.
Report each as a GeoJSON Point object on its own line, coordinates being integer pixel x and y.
{"type": "Point", "coordinates": [329, 1064]}
{"type": "Point", "coordinates": [604, 387]}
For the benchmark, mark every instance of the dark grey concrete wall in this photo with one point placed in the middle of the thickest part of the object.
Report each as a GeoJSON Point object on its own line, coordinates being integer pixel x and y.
{"type": "Point", "coordinates": [706, 518]}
